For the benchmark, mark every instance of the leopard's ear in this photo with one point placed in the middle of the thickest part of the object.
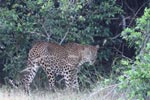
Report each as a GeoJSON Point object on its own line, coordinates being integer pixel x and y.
{"type": "Point", "coordinates": [97, 46]}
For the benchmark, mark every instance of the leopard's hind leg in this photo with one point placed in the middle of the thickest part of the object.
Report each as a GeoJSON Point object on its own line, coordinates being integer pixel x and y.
{"type": "Point", "coordinates": [28, 75]}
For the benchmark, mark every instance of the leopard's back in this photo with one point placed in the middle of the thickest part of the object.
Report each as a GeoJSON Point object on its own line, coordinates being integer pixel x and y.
{"type": "Point", "coordinates": [46, 49]}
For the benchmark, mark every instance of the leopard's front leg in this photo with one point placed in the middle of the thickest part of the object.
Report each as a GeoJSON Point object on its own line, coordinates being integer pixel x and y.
{"type": "Point", "coordinates": [75, 83]}
{"type": "Point", "coordinates": [71, 79]}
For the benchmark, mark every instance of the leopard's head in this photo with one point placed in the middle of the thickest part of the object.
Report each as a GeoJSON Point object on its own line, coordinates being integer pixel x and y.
{"type": "Point", "coordinates": [89, 54]}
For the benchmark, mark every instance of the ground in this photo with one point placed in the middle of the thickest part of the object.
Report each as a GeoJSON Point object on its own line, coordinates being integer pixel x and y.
{"type": "Point", "coordinates": [99, 93]}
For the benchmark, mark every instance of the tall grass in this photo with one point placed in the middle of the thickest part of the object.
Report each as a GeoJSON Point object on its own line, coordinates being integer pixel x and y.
{"type": "Point", "coordinates": [99, 93]}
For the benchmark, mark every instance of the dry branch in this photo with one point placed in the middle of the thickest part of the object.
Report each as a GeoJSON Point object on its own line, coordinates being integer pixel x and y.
{"type": "Point", "coordinates": [64, 37]}
{"type": "Point", "coordinates": [47, 34]}
{"type": "Point", "coordinates": [98, 91]}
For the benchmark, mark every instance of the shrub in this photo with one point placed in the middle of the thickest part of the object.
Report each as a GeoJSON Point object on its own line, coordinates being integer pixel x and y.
{"type": "Point", "coordinates": [136, 76]}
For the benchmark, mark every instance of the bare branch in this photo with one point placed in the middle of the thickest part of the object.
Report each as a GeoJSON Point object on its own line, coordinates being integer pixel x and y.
{"type": "Point", "coordinates": [122, 54]}
{"type": "Point", "coordinates": [47, 34]}
{"type": "Point", "coordinates": [146, 40]}
{"type": "Point", "coordinates": [64, 37]}
{"type": "Point", "coordinates": [11, 82]}
{"type": "Point", "coordinates": [137, 13]}
{"type": "Point", "coordinates": [95, 93]}
{"type": "Point", "coordinates": [34, 32]}
{"type": "Point", "coordinates": [129, 7]}
{"type": "Point", "coordinates": [104, 98]}
{"type": "Point", "coordinates": [123, 22]}
{"type": "Point", "coordinates": [115, 37]}
{"type": "Point", "coordinates": [26, 70]}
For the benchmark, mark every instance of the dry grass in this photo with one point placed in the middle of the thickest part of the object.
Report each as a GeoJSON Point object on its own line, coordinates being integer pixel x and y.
{"type": "Point", "coordinates": [108, 93]}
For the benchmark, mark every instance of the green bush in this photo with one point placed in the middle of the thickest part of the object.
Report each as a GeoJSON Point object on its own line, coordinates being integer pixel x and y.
{"type": "Point", "coordinates": [136, 76]}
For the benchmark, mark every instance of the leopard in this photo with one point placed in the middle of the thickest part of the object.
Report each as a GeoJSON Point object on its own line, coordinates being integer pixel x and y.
{"type": "Point", "coordinates": [56, 59]}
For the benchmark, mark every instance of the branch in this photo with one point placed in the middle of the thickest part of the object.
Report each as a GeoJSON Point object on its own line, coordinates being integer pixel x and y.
{"type": "Point", "coordinates": [137, 13]}
{"type": "Point", "coordinates": [64, 37]}
{"type": "Point", "coordinates": [146, 40]}
{"type": "Point", "coordinates": [28, 69]}
{"type": "Point", "coordinates": [47, 34]}
{"type": "Point", "coordinates": [123, 22]}
{"type": "Point", "coordinates": [129, 7]}
{"type": "Point", "coordinates": [10, 82]}
{"type": "Point", "coordinates": [34, 32]}
{"type": "Point", "coordinates": [122, 54]}
{"type": "Point", "coordinates": [115, 37]}
{"type": "Point", "coordinates": [93, 94]}
{"type": "Point", "coordinates": [104, 98]}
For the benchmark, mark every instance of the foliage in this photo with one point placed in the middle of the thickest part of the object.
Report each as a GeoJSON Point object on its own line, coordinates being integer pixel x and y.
{"type": "Point", "coordinates": [136, 75]}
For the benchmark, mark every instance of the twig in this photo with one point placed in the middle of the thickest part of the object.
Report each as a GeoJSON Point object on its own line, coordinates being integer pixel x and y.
{"type": "Point", "coordinates": [144, 44]}
{"type": "Point", "coordinates": [137, 13]}
{"type": "Point", "coordinates": [122, 54]}
{"type": "Point", "coordinates": [64, 37]}
{"type": "Point", "coordinates": [47, 34]}
{"type": "Point", "coordinates": [123, 22]}
{"type": "Point", "coordinates": [104, 98]}
{"type": "Point", "coordinates": [34, 32]}
{"type": "Point", "coordinates": [93, 94]}
{"type": "Point", "coordinates": [28, 69]}
{"type": "Point", "coordinates": [112, 38]}
{"type": "Point", "coordinates": [10, 82]}
{"type": "Point", "coordinates": [59, 81]}
{"type": "Point", "coordinates": [129, 8]}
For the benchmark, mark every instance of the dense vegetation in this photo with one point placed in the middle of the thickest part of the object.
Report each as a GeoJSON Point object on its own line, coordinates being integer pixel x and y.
{"type": "Point", "coordinates": [121, 28]}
